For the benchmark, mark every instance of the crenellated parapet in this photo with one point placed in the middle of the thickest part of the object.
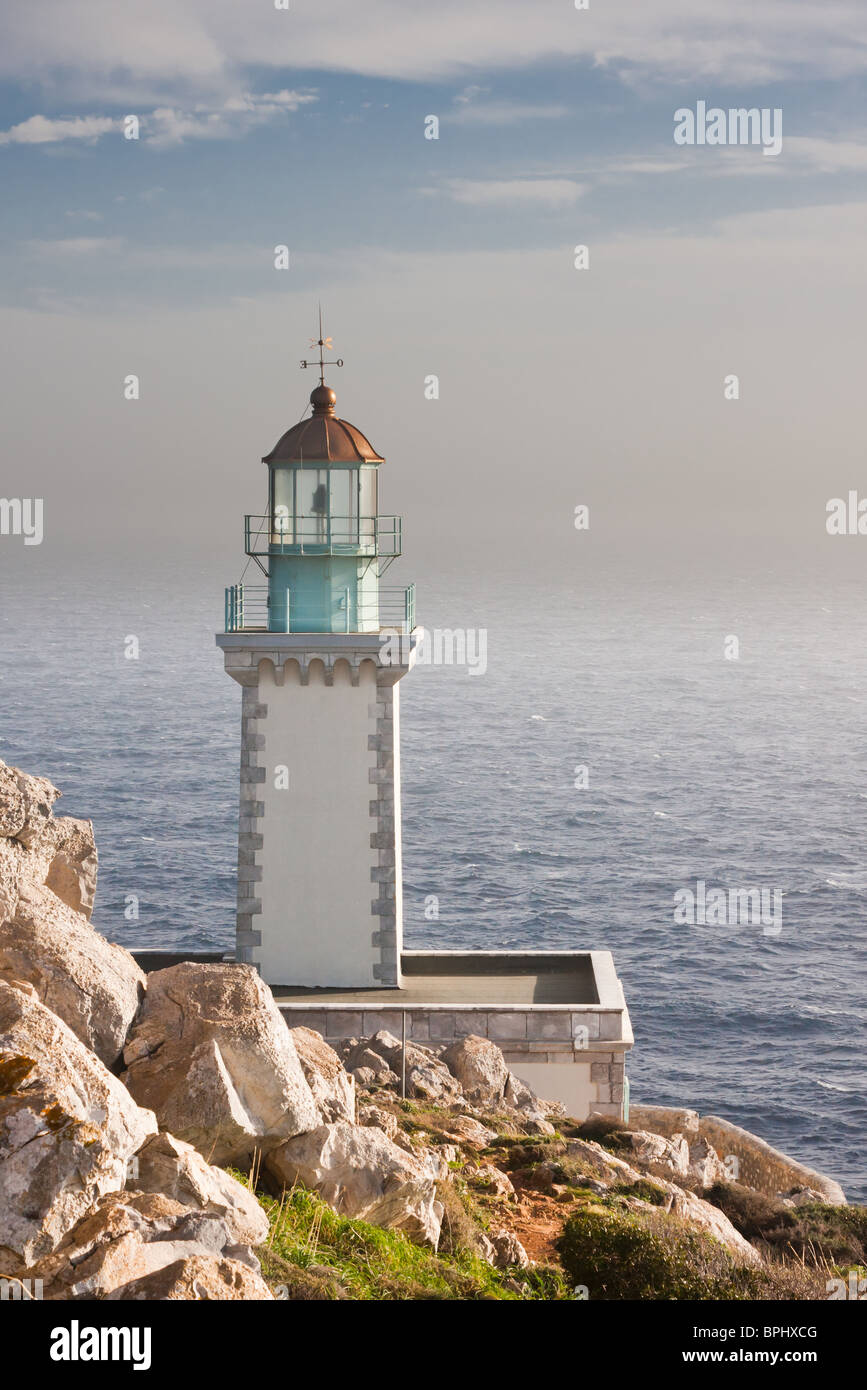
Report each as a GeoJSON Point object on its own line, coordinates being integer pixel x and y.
{"type": "Point", "coordinates": [301, 658]}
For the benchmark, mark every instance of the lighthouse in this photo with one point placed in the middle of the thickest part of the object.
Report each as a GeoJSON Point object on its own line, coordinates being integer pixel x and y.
{"type": "Point", "coordinates": [319, 650]}
{"type": "Point", "coordinates": [319, 854]}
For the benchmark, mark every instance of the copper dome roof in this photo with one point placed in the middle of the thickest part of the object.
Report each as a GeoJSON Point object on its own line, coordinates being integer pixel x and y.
{"type": "Point", "coordinates": [323, 436]}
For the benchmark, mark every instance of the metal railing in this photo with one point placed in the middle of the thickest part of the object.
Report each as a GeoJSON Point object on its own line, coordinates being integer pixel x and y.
{"type": "Point", "coordinates": [247, 610]}
{"type": "Point", "coordinates": [322, 535]}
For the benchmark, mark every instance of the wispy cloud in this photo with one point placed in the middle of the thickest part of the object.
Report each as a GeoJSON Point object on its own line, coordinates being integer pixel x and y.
{"type": "Point", "coordinates": [801, 157]}
{"type": "Point", "coordinates": [170, 126]}
{"type": "Point", "coordinates": [218, 255]}
{"type": "Point", "coordinates": [646, 165]}
{"type": "Point", "coordinates": [469, 110]}
{"type": "Point", "coordinates": [821, 156]}
{"type": "Point", "coordinates": [184, 46]}
{"type": "Point", "coordinates": [73, 246]}
{"type": "Point", "coordinates": [43, 130]}
{"type": "Point", "coordinates": [167, 125]}
{"type": "Point", "coordinates": [500, 192]}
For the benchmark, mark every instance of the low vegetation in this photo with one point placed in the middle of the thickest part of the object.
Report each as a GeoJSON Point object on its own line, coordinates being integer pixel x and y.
{"type": "Point", "coordinates": [313, 1253]}
{"type": "Point", "coordinates": [815, 1232]}
{"type": "Point", "coordinates": [620, 1244]}
{"type": "Point", "coordinates": [620, 1254]}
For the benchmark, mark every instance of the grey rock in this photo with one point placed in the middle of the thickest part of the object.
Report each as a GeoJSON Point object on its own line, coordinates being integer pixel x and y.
{"type": "Point", "coordinates": [211, 1055]}
{"type": "Point", "coordinates": [95, 987]}
{"type": "Point", "coordinates": [332, 1087]}
{"type": "Point", "coordinates": [68, 1129]}
{"type": "Point", "coordinates": [360, 1172]}
{"type": "Point", "coordinates": [169, 1166]}
{"type": "Point", "coordinates": [480, 1067]}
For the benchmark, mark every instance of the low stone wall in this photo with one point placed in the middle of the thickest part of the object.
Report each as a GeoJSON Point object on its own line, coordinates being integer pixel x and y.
{"type": "Point", "coordinates": [763, 1167]}
{"type": "Point", "coordinates": [665, 1120]}
{"type": "Point", "coordinates": [561, 1031]}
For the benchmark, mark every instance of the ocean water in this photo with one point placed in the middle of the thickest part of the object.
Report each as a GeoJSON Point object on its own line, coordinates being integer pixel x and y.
{"type": "Point", "coordinates": [746, 774]}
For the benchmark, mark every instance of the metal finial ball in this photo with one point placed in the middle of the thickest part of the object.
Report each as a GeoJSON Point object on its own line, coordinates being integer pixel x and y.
{"type": "Point", "coordinates": [323, 400]}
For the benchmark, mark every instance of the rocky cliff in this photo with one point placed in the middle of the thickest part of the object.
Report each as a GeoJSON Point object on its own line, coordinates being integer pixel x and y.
{"type": "Point", "coordinates": [168, 1137]}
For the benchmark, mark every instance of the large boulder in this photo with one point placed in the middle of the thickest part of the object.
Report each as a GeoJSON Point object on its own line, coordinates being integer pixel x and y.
{"type": "Point", "coordinates": [13, 858]}
{"type": "Point", "coordinates": [492, 1180]}
{"type": "Point", "coordinates": [68, 1129]}
{"type": "Point", "coordinates": [360, 1172]}
{"type": "Point", "coordinates": [480, 1067]}
{"type": "Point", "coordinates": [93, 985]}
{"type": "Point", "coordinates": [709, 1219]}
{"type": "Point", "coordinates": [332, 1087]}
{"type": "Point", "coordinates": [169, 1166]}
{"type": "Point", "coordinates": [59, 853]}
{"type": "Point", "coordinates": [467, 1130]}
{"type": "Point", "coordinates": [598, 1163]}
{"type": "Point", "coordinates": [705, 1164]}
{"type": "Point", "coordinates": [72, 863]}
{"type": "Point", "coordinates": [25, 805]}
{"type": "Point", "coordinates": [212, 1056]}
{"type": "Point", "coordinates": [196, 1278]}
{"type": "Point", "coordinates": [530, 1110]}
{"type": "Point", "coordinates": [129, 1237]}
{"type": "Point", "coordinates": [609, 1171]}
{"type": "Point", "coordinates": [670, 1153]}
{"type": "Point", "coordinates": [12, 809]}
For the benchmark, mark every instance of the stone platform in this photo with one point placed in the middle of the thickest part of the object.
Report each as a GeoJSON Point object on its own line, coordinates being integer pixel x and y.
{"type": "Point", "coordinates": [559, 1017]}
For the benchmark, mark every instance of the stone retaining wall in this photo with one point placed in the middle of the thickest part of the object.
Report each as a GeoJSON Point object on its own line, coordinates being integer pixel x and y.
{"type": "Point", "coordinates": [763, 1167]}
{"type": "Point", "coordinates": [577, 1056]}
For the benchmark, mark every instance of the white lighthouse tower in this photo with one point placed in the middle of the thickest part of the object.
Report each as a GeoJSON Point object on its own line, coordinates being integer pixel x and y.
{"type": "Point", "coordinates": [319, 859]}
{"type": "Point", "coordinates": [319, 863]}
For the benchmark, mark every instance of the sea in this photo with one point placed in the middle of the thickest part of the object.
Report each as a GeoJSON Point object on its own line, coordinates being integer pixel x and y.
{"type": "Point", "coordinates": [616, 750]}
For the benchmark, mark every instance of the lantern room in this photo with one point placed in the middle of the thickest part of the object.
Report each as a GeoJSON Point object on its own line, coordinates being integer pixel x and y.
{"type": "Point", "coordinates": [322, 542]}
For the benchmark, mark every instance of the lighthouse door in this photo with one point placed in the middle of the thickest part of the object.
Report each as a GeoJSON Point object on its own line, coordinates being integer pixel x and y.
{"type": "Point", "coordinates": [309, 597]}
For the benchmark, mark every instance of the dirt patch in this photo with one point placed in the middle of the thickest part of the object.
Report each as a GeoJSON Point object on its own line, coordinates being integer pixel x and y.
{"type": "Point", "coordinates": [537, 1220]}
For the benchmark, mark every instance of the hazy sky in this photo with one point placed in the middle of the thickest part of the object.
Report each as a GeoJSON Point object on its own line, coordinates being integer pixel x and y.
{"type": "Point", "coordinates": [261, 127]}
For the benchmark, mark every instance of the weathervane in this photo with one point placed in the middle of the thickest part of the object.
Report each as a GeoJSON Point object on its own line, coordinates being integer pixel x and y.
{"type": "Point", "coordinates": [324, 345]}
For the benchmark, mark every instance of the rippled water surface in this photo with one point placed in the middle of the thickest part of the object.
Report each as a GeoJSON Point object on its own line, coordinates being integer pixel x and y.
{"type": "Point", "coordinates": [747, 773]}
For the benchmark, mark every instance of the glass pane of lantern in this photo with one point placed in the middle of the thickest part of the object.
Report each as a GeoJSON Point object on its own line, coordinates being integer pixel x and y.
{"type": "Point", "coordinates": [342, 497]}
{"type": "Point", "coordinates": [353, 504]}
{"type": "Point", "coordinates": [284, 526]}
{"type": "Point", "coordinates": [312, 498]}
{"type": "Point", "coordinates": [367, 507]}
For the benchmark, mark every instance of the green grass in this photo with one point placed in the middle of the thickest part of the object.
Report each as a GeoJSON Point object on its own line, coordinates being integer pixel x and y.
{"type": "Point", "coordinates": [317, 1254]}
{"type": "Point", "coordinates": [313, 1253]}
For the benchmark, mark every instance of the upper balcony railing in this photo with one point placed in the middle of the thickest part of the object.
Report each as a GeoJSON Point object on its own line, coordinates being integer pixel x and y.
{"type": "Point", "coordinates": [248, 610]}
{"type": "Point", "coordinates": [322, 534]}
